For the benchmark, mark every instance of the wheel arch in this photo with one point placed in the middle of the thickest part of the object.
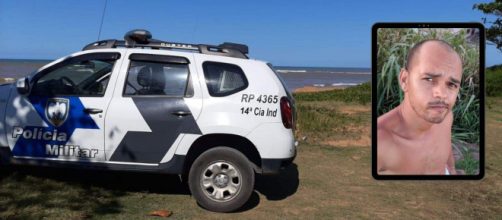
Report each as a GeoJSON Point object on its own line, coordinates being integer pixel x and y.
{"type": "Point", "coordinates": [210, 141]}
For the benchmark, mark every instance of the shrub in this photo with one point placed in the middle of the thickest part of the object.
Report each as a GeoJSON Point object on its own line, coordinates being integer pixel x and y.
{"type": "Point", "coordinates": [494, 81]}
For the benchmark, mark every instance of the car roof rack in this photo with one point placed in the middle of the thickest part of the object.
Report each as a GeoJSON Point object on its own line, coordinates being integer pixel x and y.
{"type": "Point", "coordinates": [143, 39]}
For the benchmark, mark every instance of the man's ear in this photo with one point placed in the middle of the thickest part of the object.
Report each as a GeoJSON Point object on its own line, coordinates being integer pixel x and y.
{"type": "Point", "coordinates": [403, 79]}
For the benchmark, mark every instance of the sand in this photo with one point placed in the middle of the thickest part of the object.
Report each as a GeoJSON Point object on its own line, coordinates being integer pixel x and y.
{"type": "Point", "coordinates": [6, 80]}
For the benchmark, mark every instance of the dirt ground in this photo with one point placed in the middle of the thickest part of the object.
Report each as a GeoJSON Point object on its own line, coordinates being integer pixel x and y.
{"type": "Point", "coordinates": [328, 180]}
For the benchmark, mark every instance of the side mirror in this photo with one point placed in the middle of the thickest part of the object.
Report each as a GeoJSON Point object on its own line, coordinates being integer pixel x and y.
{"type": "Point", "coordinates": [23, 86]}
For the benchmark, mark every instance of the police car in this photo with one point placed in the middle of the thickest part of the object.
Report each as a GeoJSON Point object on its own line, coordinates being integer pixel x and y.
{"type": "Point", "coordinates": [208, 113]}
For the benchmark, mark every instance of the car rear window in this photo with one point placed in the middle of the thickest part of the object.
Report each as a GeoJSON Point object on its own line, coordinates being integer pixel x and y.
{"type": "Point", "coordinates": [223, 79]}
{"type": "Point", "coordinates": [151, 78]}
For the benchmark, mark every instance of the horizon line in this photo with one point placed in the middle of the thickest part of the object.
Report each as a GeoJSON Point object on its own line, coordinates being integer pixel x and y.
{"type": "Point", "coordinates": [307, 66]}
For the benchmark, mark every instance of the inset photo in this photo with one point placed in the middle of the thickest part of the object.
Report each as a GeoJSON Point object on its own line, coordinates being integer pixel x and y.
{"type": "Point", "coordinates": [428, 101]}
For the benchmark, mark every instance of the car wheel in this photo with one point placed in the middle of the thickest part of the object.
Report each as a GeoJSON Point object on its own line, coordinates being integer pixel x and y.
{"type": "Point", "coordinates": [221, 179]}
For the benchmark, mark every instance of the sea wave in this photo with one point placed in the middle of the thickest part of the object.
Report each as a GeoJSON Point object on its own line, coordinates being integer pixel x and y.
{"type": "Point", "coordinates": [323, 71]}
{"type": "Point", "coordinates": [342, 72]}
{"type": "Point", "coordinates": [291, 71]}
{"type": "Point", "coordinates": [355, 73]}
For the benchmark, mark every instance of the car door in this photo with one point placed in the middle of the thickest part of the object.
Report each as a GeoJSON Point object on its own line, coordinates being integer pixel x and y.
{"type": "Point", "coordinates": [149, 112]}
{"type": "Point", "coordinates": [62, 117]}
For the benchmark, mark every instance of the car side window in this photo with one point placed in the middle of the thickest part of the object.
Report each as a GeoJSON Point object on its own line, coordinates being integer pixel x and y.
{"type": "Point", "coordinates": [155, 78]}
{"type": "Point", "coordinates": [223, 79]}
{"type": "Point", "coordinates": [75, 77]}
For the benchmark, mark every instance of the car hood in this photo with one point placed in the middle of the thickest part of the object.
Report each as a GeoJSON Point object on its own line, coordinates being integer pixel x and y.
{"type": "Point", "coordinates": [5, 90]}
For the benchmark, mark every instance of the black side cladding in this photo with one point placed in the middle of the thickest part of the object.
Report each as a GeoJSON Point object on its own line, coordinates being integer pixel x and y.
{"type": "Point", "coordinates": [5, 155]}
{"type": "Point", "coordinates": [162, 114]}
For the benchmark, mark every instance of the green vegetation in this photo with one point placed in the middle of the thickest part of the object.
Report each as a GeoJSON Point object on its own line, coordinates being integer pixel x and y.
{"type": "Point", "coordinates": [324, 116]}
{"type": "Point", "coordinates": [320, 121]}
{"type": "Point", "coordinates": [494, 81]}
{"type": "Point", "coordinates": [469, 164]}
{"type": "Point", "coordinates": [393, 46]}
{"type": "Point", "coordinates": [493, 26]}
{"type": "Point", "coordinates": [358, 94]}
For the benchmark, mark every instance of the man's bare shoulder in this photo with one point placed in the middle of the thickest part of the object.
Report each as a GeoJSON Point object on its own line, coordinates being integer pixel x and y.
{"type": "Point", "coordinates": [385, 137]}
{"type": "Point", "coordinates": [387, 152]}
{"type": "Point", "coordinates": [386, 124]}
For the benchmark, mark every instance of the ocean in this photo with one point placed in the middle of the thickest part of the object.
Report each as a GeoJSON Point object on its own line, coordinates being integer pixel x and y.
{"type": "Point", "coordinates": [10, 68]}
{"type": "Point", "coordinates": [294, 77]}
{"type": "Point", "coordinates": [298, 77]}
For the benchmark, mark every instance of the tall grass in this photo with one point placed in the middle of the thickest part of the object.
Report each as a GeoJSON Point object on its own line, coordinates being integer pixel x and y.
{"type": "Point", "coordinates": [393, 46]}
{"type": "Point", "coordinates": [469, 164]}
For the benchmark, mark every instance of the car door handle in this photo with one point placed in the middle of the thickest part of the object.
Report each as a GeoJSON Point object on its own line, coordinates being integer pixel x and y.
{"type": "Point", "coordinates": [93, 110]}
{"type": "Point", "coordinates": [181, 113]}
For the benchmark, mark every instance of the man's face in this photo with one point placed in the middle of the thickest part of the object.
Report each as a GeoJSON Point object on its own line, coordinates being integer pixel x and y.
{"type": "Point", "coordinates": [433, 81]}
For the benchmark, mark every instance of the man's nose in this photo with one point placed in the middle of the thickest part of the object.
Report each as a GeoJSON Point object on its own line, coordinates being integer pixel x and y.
{"type": "Point", "coordinates": [439, 91]}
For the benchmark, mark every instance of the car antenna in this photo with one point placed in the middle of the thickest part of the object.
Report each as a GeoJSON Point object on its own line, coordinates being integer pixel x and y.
{"type": "Point", "coordinates": [102, 18]}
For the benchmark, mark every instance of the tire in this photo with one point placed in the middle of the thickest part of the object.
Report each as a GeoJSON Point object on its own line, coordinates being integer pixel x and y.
{"type": "Point", "coordinates": [221, 179]}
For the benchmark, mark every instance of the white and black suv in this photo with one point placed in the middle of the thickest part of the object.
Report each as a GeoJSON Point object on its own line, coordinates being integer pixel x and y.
{"type": "Point", "coordinates": [205, 112]}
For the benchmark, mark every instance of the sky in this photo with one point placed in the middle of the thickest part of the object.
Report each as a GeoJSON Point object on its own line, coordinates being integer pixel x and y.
{"type": "Point", "coordinates": [285, 33]}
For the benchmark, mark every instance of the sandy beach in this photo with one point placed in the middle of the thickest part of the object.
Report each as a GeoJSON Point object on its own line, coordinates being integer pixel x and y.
{"type": "Point", "coordinates": [6, 80]}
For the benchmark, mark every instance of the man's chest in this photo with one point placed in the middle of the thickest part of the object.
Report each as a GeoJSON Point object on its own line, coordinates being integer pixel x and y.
{"type": "Point", "coordinates": [427, 155]}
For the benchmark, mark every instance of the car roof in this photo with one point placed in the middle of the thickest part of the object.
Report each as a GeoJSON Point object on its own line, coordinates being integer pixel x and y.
{"type": "Point", "coordinates": [143, 39]}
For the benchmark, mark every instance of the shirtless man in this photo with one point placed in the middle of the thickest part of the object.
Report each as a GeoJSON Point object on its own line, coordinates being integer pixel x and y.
{"type": "Point", "coordinates": [415, 137]}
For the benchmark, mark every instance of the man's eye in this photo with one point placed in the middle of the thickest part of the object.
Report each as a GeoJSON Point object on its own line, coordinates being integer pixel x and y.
{"type": "Point", "coordinates": [452, 85]}
{"type": "Point", "coordinates": [428, 79]}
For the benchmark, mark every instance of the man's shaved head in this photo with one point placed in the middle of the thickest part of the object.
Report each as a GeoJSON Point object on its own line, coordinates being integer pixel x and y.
{"type": "Point", "coordinates": [431, 79]}
{"type": "Point", "coordinates": [412, 54]}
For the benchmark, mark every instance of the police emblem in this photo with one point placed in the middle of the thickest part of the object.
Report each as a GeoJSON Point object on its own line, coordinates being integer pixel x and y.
{"type": "Point", "coordinates": [56, 111]}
